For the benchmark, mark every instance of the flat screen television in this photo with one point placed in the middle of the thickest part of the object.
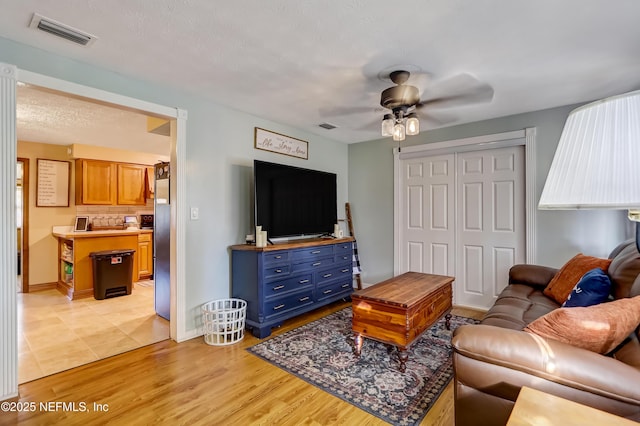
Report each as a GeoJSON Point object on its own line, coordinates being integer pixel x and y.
{"type": "Point", "coordinates": [292, 201]}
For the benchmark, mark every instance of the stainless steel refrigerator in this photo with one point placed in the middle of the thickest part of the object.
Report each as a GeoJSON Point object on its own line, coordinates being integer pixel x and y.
{"type": "Point", "coordinates": [161, 240]}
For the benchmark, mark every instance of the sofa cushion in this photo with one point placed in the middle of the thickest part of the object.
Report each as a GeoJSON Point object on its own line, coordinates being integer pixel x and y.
{"type": "Point", "coordinates": [518, 305]}
{"type": "Point", "coordinates": [598, 328]}
{"type": "Point", "coordinates": [568, 276]}
{"type": "Point", "coordinates": [594, 287]}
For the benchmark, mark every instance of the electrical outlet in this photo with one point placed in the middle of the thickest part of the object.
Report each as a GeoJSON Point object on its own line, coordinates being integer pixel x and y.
{"type": "Point", "coordinates": [195, 213]}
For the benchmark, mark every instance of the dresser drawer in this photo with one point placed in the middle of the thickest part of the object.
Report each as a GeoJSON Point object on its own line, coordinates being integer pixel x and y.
{"type": "Point", "coordinates": [282, 305]}
{"type": "Point", "coordinates": [343, 248]}
{"type": "Point", "coordinates": [276, 272]}
{"type": "Point", "coordinates": [332, 274]}
{"type": "Point", "coordinates": [344, 259]}
{"type": "Point", "coordinates": [278, 288]}
{"type": "Point", "coordinates": [312, 252]}
{"type": "Point", "coordinates": [275, 257]}
{"type": "Point", "coordinates": [336, 288]}
{"type": "Point", "coordinates": [313, 264]}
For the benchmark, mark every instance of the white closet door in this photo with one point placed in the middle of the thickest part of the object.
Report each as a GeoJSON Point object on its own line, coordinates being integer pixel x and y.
{"type": "Point", "coordinates": [427, 224]}
{"type": "Point", "coordinates": [490, 225]}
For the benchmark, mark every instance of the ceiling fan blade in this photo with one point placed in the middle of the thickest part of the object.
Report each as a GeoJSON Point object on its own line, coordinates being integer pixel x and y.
{"type": "Point", "coordinates": [436, 120]}
{"type": "Point", "coordinates": [462, 89]}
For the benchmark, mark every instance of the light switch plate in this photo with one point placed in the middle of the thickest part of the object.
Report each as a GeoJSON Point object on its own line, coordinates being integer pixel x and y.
{"type": "Point", "coordinates": [195, 213]}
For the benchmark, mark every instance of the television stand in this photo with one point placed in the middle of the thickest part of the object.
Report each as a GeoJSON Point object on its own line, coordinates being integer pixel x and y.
{"type": "Point", "coordinates": [283, 280]}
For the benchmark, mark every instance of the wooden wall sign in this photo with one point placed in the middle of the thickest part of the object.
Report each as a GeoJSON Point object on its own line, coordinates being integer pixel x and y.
{"type": "Point", "coordinates": [281, 144]}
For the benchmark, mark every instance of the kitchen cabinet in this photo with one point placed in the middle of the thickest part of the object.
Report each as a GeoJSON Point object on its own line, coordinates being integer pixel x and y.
{"type": "Point", "coordinates": [131, 184]}
{"type": "Point", "coordinates": [106, 183]}
{"type": "Point", "coordinates": [145, 255]}
{"type": "Point", "coordinates": [282, 281]}
{"type": "Point", "coordinates": [95, 182]}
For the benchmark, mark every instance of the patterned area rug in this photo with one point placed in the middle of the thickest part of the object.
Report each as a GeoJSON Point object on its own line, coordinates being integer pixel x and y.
{"type": "Point", "coordinates": [321, 353]}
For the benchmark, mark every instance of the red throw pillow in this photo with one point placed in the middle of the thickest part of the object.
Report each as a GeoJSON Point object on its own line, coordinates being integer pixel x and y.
{"type": "Point", "coordinates": [598, 328]}
{"type": "Point", "coordinates": [560, 286]}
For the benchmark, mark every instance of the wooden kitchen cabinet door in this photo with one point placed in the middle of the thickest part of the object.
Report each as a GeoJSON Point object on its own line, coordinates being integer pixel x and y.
{"type": "Point", "coordinates": [145, 256]}
{"type": "Point", "coordinates": [95, 182]}
{"type": "Point", "coordinates": [131, 184]}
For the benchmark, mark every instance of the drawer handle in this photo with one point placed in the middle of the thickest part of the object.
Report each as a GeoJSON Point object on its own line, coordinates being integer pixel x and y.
{"type": "Point", "coordinates": [278, 271]}
{"type": "Point", "coordinates": [327, 291]}
{"type": "Point", "coordinates": [278, 287]}
{"type": "Point", "coordinates": [275, 308]}
{"type": "Point", "coordinates": [278, 257]}
{"type": "Point", "coordinates": [315, 252]}
{"type": "Point", "coordinates": [326, 275]}
{"type": "Point", "coordinates": [345, 257]}
{"type": "Point", "coordinates": [345, 285]}
{"type": "Point", "coordinates": [304, 281]}
{"type": "Point", "coordinates": [344, 270]}
{"type": "Point", "coordinates": [316, 264]}
{"type": "Point", "coordinates": [304, 299]}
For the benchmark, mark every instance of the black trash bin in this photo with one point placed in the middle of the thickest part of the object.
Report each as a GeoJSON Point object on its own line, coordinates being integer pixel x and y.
{"type": "Point", "coordinates": [112, 273]}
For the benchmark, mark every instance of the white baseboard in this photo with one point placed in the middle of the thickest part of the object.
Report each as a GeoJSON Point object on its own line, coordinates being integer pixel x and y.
{"type": "Point", "coordinates": [190, 334]}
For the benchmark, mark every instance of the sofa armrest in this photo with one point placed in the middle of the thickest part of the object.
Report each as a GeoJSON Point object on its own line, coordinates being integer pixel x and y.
{"type": "Point", "coordinates": [527, 359]}
{"type": "Point", "coordinates": [532, 275]}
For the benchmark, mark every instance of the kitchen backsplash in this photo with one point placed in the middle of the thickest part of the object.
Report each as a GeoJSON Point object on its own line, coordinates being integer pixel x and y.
{"type": "Point", "coordinates": [114, 211]}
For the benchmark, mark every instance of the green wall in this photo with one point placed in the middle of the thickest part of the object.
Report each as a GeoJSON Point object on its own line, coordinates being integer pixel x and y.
{"type": "Point", "coordinates": [559, 236]}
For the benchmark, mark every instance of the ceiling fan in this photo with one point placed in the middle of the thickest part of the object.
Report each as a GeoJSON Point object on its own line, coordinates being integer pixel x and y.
{"type": "Point", "coordinates": [403, 101]}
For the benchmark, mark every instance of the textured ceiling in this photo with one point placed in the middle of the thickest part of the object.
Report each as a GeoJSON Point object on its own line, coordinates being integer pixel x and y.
{"type": "Point", "coordinates": [48, 117]}
{"type": "Point", "coordinates": [303, 63]}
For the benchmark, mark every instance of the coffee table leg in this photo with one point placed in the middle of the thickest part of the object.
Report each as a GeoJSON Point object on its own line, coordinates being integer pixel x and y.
{"type": "Point", "coordinates": [447, 321]}
{"type": "Point", "coordinates": [403, 356]}
{"type": "Point", "coordinates": [357, 340]}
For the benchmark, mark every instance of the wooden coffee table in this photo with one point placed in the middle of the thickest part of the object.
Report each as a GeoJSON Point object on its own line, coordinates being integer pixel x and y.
{"type": "Point", "coordinates": [397, 311]}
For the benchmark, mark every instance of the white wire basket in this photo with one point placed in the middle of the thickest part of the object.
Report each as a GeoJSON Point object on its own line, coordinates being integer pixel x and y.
{"type": "Point", "coordinates": [224, 321]}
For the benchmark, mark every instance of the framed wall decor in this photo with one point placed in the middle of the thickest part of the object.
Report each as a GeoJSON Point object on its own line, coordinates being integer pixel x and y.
{"type": "Point", "coordinates": [53, 180]}
{"type": "Point", "coordinates": [280, 144]}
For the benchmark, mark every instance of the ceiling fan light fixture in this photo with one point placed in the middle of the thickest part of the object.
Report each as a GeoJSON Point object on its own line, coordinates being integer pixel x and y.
{"type": "Point", "coordinates": [413, 124]}
{"type": "Point", "coordinates": [398, 132]}
{"type": "Point", "coordinates": [387, 125]}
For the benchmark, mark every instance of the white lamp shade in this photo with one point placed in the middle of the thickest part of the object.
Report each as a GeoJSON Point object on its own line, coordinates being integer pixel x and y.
{"type": "Point", "coordinates": [597, 162]}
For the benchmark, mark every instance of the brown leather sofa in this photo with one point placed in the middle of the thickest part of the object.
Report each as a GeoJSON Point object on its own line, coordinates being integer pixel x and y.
{"type": "Point", "coordinates": [494, 359]}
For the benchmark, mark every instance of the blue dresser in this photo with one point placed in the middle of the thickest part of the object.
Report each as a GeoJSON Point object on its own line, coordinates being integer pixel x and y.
{"type": "Point", "coordinates": [284, 280]}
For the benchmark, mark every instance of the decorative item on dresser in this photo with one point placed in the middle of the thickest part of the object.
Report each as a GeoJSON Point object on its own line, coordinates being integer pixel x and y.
{"type": "Point", "coordinates": [284, 280]}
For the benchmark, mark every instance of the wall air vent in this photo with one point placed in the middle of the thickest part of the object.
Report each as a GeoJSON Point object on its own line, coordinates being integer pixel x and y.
{"type": "Point", "coordinates": [61, 30]}
{"type": "Point", "coordinates": [327, 126]}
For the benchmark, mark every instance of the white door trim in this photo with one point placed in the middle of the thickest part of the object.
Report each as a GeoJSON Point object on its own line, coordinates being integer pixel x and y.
{"type": "Point", "coordinates": [8, 246]}
{"type": "Point", "coordinates": [9, 75]}
{"type": "Point", "coordinates": [526, 137]}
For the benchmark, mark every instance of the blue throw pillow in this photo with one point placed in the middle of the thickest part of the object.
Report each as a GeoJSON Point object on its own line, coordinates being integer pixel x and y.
{"type": "Point", "coordinates": [593, 288]}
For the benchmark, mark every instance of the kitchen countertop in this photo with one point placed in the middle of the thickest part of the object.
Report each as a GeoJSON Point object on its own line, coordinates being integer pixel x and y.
{"type": "Point", "coordinates": [69, 233]}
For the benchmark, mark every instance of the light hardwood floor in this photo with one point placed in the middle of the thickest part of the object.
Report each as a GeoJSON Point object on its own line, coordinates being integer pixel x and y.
{"type": "Point", "coordinates": [194, 383]}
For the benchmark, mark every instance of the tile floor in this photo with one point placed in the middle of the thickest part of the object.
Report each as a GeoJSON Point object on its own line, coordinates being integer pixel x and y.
{"type": "Point", "coordinates": [55, 333]}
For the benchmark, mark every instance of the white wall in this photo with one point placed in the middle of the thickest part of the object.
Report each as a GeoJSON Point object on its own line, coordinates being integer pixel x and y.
{"type": "Point", "coordinates": [219, 157]}
{"type": "Point", "coordinates": [559, 236]}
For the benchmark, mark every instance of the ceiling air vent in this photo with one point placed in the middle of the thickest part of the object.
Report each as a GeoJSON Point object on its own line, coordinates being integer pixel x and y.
{"type": "Point", "coordinates": [327, 126]}
{"type": "Point", "coordinates": [61, 30]}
